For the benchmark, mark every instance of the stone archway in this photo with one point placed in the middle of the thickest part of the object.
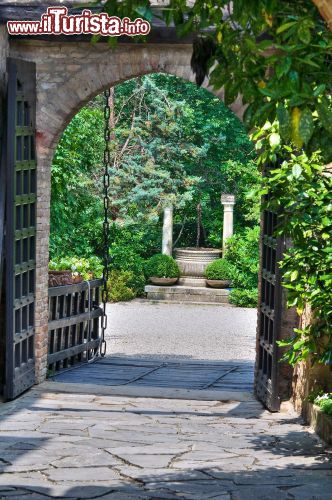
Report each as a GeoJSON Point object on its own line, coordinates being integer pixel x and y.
{"type": "Point", "coordinates": [68, 76]}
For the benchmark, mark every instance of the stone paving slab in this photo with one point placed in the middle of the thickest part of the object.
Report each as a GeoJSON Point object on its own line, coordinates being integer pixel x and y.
{"type": "Point", "coordinates": [62, 445]}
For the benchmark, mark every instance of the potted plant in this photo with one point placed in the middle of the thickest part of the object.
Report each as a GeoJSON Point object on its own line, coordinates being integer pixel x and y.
{"type": "Point", "coordinates": [218, 274]}
{"type": "Point", "coordinates": [71, 270]}
{"type": "Point", "coordinates": [60, 273]}
{"type": "Point", "coordinates": [162, 270]}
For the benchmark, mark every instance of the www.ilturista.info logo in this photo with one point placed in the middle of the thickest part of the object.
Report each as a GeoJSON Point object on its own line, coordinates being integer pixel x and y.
{"type": "Point", "coordinates": [56, 21]}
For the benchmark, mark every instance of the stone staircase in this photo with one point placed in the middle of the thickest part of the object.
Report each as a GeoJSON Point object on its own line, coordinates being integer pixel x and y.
{"type": "Point", "coordinates": [191, 286]}
{"type": "Point", "coordinates": [183, 293]}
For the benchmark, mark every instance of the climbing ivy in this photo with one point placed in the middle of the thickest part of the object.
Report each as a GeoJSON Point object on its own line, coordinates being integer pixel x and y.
{"type": "Point", "coordinates": [301, 190]}
{"type": "Point", "coordinates": [277, 55]}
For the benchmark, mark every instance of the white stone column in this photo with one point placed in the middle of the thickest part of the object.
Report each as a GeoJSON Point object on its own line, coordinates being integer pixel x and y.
{"type": "Point", "coordinates": [228, 200]}
{"type": "Point", "coordinates": [167, 244]}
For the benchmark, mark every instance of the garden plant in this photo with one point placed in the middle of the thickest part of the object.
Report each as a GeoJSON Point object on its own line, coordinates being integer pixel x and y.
{"type": "Point", "coordinates": [219, 269]}
{"type": "Point", "coordinates": [182, 147]}
{"type": "Point", "coordinates": [162, 266]}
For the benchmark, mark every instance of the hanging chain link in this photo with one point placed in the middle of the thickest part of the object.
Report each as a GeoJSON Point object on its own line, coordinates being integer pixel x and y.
{"type": "Point", "coordinates": [106, 225]}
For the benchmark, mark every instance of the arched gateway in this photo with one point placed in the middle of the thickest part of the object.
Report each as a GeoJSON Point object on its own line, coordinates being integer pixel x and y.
{"type": "Point", "coordinates": [49, 80]}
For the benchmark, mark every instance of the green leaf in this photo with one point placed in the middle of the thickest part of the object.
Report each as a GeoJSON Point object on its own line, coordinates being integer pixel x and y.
{"type": "Point", "coordinates": [285, 27]}
{"type": "Point", "coordinates": [308, 61]}
{"type": "Point", "coordinates": [274, 139]}
{"type": "Point", "coordinates": [295, 273]}
{"type": "Point", "coordinates": [304, 33]}
{"type": "Point", "coordinates": [296, 171]}
{"type": "Point", "coordinates": [306, 125]}
{"type": "Point", "coordinates": [283, 66]}
{"type": "Point", "coordinates": [145, 12]}
{"type": "Point", "coordinates": [297, 345]}
{"type": "Point", "coordinates": [285, 123]}
{"type": "Point", "coordinates": [231, 92]}
{"type": "Point", "coordinates": [320, 89]}
{"type": "Point", "coordinates": [325, 114]}
{"type": "Point", "coordinates": [284, 343]}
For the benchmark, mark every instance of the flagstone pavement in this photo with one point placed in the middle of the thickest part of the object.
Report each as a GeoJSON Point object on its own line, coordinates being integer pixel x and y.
{"type": "Point", "coordinates": [57, 444]}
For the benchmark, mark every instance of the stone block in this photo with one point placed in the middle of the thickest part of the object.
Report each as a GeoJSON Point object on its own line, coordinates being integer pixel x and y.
{"type": "Point", "coordinates": [187, 294]}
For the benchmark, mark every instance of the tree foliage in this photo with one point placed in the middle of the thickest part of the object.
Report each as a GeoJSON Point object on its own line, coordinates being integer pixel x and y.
{"type": "Point", "coordinates": [150, 151]}
{"type": "Point", "coordinates": [172, 142]}
{"type": "Point", "coordinates": [76, 204]}
{"type": "Point", "coordinates": [276, 54]}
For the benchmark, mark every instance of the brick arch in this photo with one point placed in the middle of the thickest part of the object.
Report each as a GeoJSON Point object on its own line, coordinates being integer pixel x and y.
{"type": "Point", "coordinates": [68, 76]}
{"type": "Point", "coordinates": [57, 105]}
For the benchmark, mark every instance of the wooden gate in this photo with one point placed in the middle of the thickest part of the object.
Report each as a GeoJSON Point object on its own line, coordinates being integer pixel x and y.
{"type": "Point", "coordinates": [269, 321]}
{"type": "Point", "coordinates": [20, 228]}
{"type": "Point", "coordinates": [73, 324]}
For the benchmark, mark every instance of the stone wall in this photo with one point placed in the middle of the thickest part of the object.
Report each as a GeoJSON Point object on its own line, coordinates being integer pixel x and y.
{"type": "Point", "coordinates": [308, 377]}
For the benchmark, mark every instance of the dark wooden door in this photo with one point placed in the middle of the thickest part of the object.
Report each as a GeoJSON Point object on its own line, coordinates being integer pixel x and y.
{"type": "Point", "coordinates": [20, 228]}
{"type": "Point", "coordinates": [269, 310]}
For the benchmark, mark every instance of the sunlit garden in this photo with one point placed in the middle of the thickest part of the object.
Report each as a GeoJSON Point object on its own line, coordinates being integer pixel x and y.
{"type": "Point", "coordinates": [172, 144]}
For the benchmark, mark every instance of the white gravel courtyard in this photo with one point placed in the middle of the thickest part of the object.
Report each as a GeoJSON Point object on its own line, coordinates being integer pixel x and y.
{"type": "Point", "coordinates": [189, 331]}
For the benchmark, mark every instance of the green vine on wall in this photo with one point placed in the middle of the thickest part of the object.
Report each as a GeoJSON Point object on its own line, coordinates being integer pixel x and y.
{"type": "Point", "coordinates": [301, 190]}
{"type": "Point", "coordinates": [278, 55]}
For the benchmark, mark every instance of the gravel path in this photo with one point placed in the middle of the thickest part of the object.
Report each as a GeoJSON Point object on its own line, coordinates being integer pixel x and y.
{"type": "Point", "coordinates": [188, 331]}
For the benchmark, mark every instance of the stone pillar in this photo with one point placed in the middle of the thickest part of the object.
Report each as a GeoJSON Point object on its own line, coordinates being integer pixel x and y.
{"type": "Point", "coordinates": [167, 243]}
{"type": "Point", "coordinates": [228, 200]}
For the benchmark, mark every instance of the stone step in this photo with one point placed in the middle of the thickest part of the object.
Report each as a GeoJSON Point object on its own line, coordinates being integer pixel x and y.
{"type": "Point", "coordinates": [190, 281]}
{"type": "Point", "coordinates": [187, 294]}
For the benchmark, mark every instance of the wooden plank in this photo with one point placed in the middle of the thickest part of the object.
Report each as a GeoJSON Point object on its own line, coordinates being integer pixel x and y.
{"type": "Point", "coordinates": [210, 384]}
{"type": "Point", "coordinates": [78, 287]}
{"type": "Point", "coordinates": [72, 351]}
{"type": "Point", "coordinates": [74, 320]}
{"type": "Point", "coordinates": [134, 379]}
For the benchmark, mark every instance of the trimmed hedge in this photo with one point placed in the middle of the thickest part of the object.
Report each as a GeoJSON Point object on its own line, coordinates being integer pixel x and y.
{"type": "Point", "coordinates": [219, 269]}
{"type": "Point", "coordinates": [161, 266]}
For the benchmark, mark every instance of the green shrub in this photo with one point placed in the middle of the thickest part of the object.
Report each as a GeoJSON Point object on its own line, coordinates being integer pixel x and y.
{"type": "Point", "coordinates": [162, 266]}
{"type": "Point", "coordinates": [242, 250]}
{"type": "Point", "coordinates": [126, 259]}
{"type": "Point", "coordinates": [219, 269]}
{"type": "Point", "coordinates": [87, 268]}
{"type": "Point", "coordinates": [244, 297]}
{"type": "Point", "coordinates": [59, 265]}
{"type": "Point", "coordinates": [118, 286]}
{"type": "Point", "coordinates": [96, 266]}
{"type": "Point", "coordinates": [325, 403]}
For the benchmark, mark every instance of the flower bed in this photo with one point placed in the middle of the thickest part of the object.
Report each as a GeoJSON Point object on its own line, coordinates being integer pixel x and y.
{"type": "Point", "coordinates": [320, 422]}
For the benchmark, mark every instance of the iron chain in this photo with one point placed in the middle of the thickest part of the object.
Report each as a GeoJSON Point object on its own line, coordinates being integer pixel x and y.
{"type": "Point", "coordinates": [106, 226]}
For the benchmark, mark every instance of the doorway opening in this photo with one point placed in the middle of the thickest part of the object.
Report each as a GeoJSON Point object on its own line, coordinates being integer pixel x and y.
{"type": "Point", "coordinates": [172, 146]}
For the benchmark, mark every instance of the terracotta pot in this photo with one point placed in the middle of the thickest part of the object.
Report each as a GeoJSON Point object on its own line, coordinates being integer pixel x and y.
{"type": "Point", "coordinates": [218, 283]}
{"type": "Point", "coordinates": [163, 281]}
{"type": "Point", "coordinates": [60, 278]}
